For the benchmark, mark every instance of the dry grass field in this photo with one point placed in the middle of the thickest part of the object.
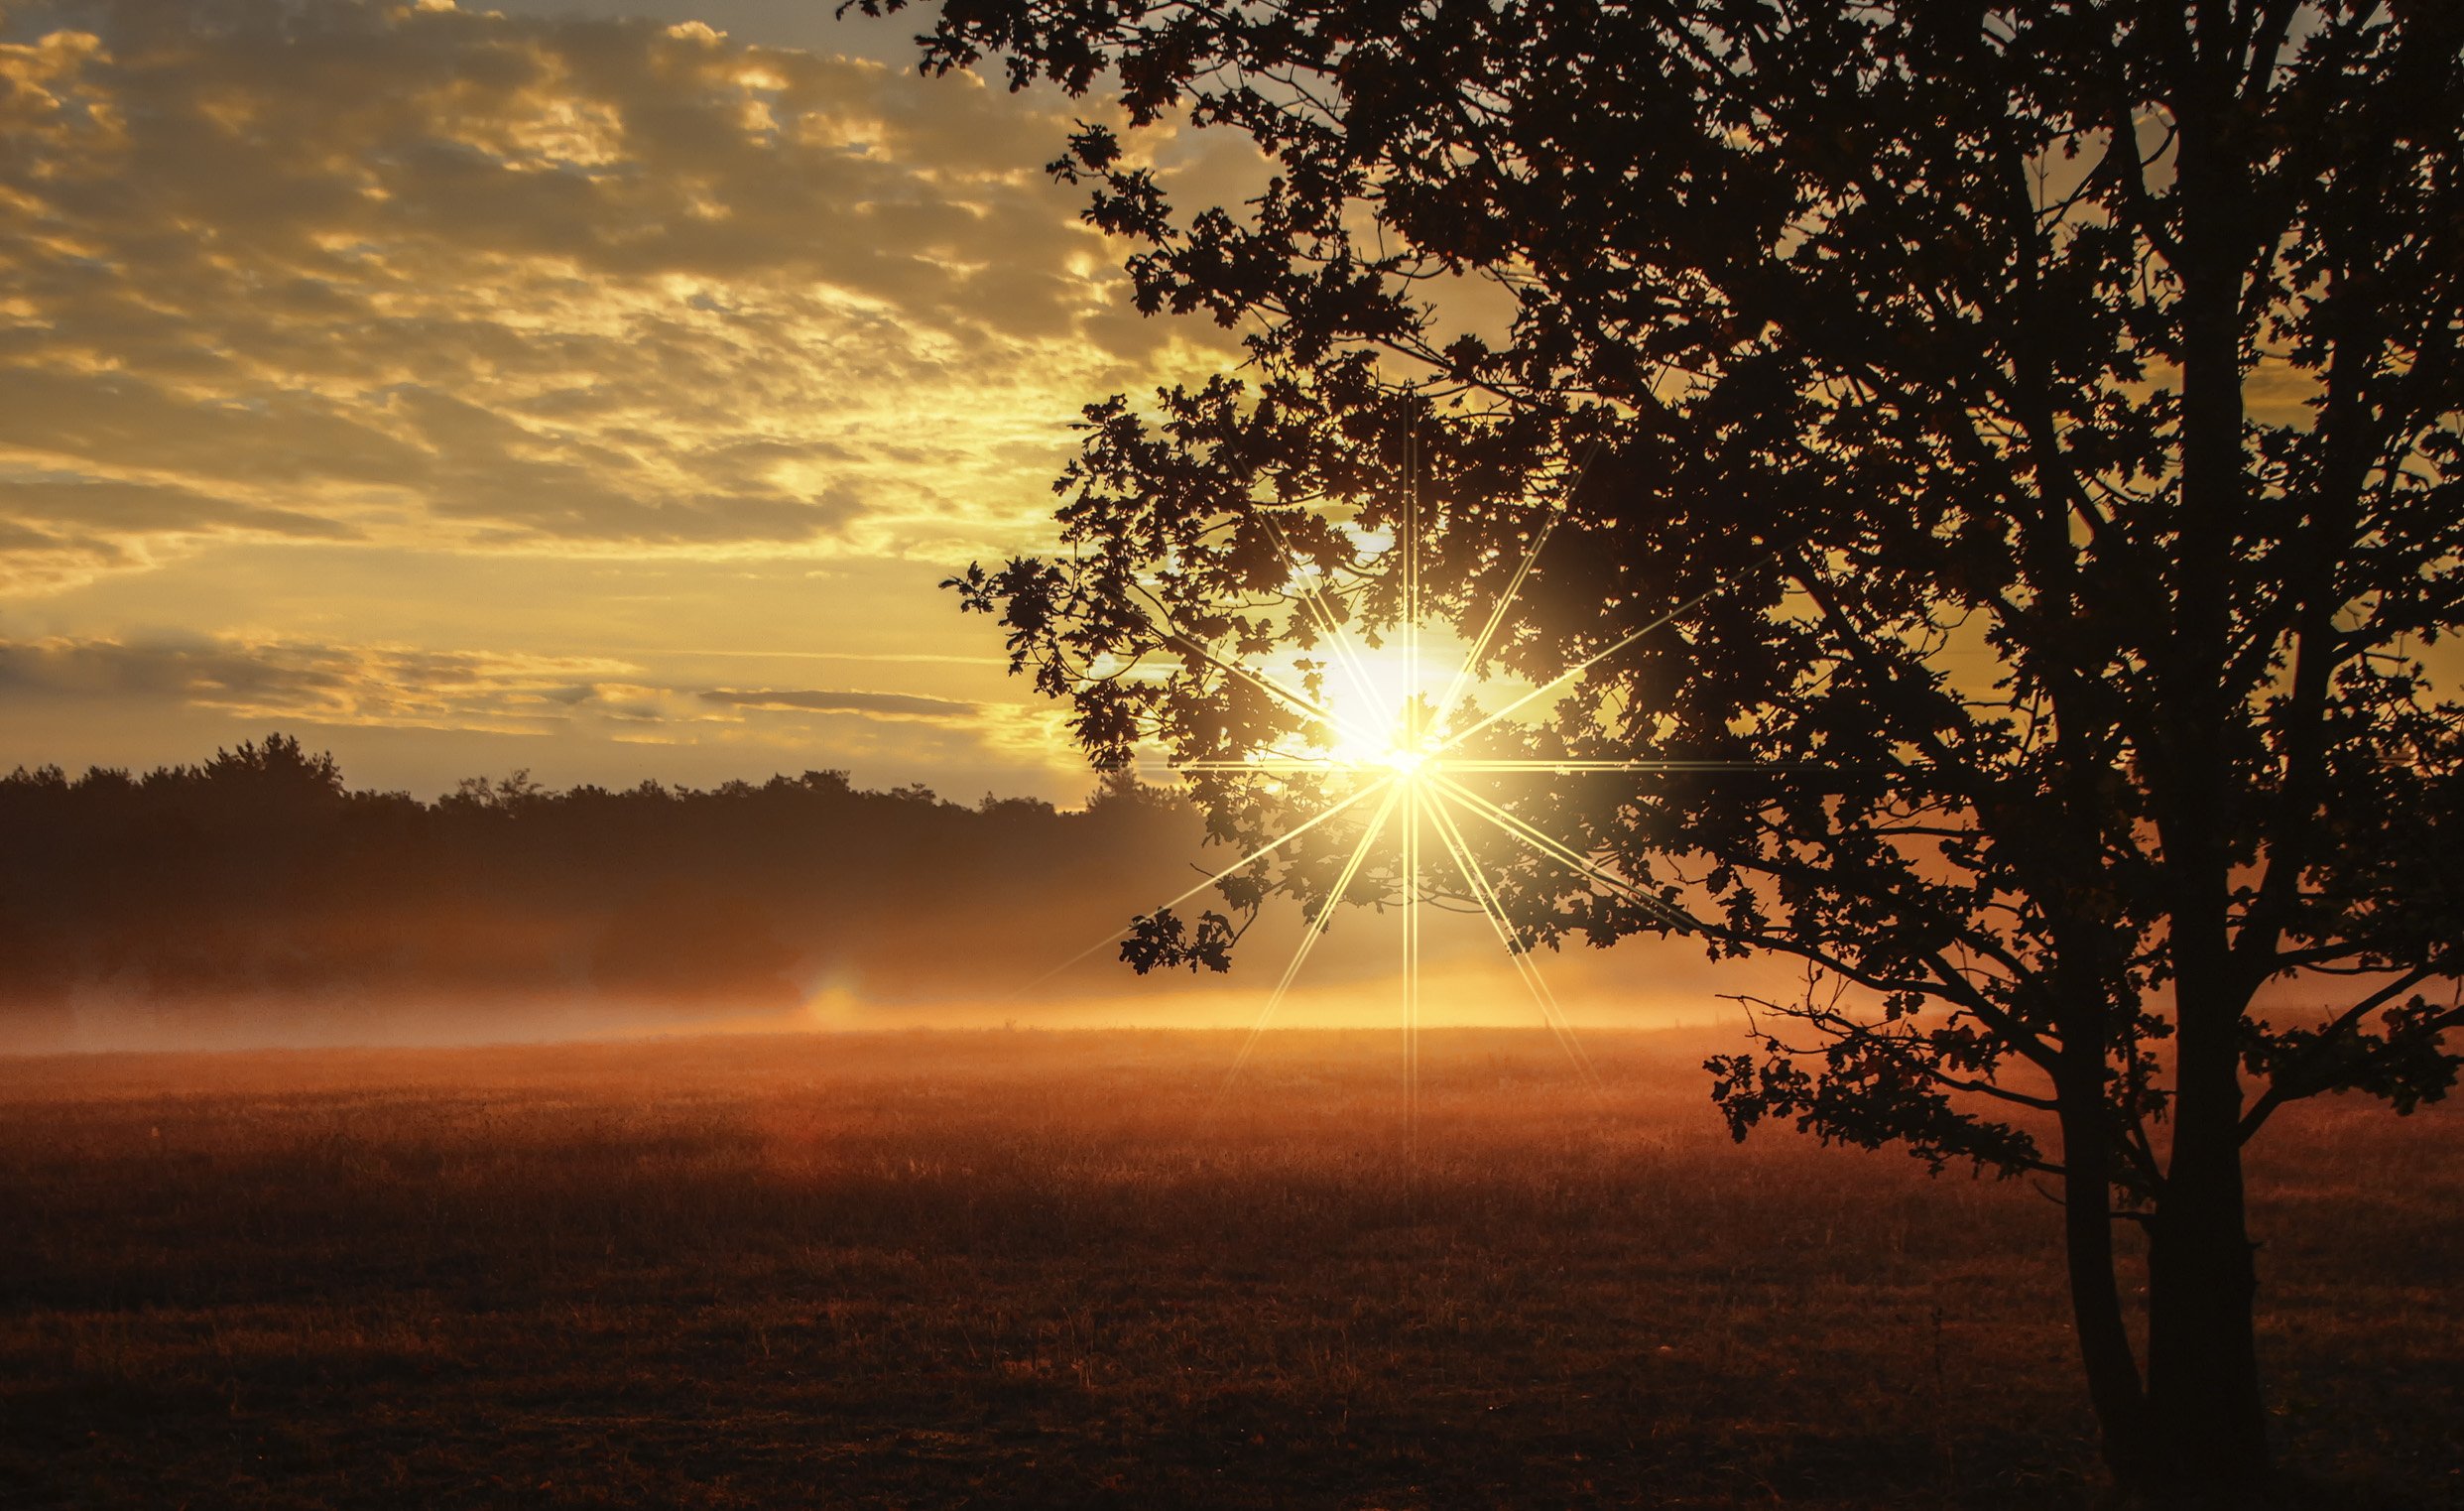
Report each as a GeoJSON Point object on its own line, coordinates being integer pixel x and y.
{"type": "Point", "coordinates": [1044, 1269]}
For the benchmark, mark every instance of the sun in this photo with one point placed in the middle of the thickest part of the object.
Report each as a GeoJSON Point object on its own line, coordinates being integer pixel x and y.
{"type": "Point", "coordinates": [1406, 762]}
{"type": "Point", "coordinates": [1386, 717]}
{"type": "Point", "coordinates": [1376, 701]}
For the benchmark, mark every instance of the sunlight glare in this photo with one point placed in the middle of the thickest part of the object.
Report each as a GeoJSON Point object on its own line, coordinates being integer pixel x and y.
{"type": "Point", "coordinates": [1386, 711]}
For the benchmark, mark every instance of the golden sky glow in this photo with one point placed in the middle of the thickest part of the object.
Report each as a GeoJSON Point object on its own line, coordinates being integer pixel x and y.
{"type": "Point", "coordinates": [469, 391]}
{"type": "Point", "coordinates": [603, 395]}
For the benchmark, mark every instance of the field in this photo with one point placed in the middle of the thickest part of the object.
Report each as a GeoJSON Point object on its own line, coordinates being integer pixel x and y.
{"type": "Point", "coordinates": [1051, 1269]}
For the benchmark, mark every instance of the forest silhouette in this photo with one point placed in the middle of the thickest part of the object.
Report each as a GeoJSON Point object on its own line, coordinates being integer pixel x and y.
{"type": "Point", "coordinates": [260, 874]}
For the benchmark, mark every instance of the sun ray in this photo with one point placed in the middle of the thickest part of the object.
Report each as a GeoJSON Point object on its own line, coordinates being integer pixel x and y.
{"type": "Point", "coordinates": [1412, 752]}
{"type": "Point", "coordinates": [1411, 964]}
{"type": "Point", "coordinates": [1542, 765]}
{"type": "Point", "coordinates": [1497, 617]}
{"type": "Point", "coordinates": [1566, 856]}
{"type": "Point", "coordinates": [1313, 600]}
{"type": "Point", "coordinates": [1518, 949]}
{"type": "Point", "coordinates": [1512, 594]}
{"type": "Point", "coordinates": [1269, 765]}
{"type": "Point", "coordinates": [1412, 577]}
{"type": "Point", "coordinates": [1588, 661]}
{"type": "Point", "coordinates": [1316, 927]}
{"type": "Point", "coordinates": [1274, 687]}
{"type": "Point", "coordinates": [1250, 859]}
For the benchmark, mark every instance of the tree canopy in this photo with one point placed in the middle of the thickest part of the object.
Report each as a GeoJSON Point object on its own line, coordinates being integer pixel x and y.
{"type": "Point", "coordinates": [2040, 427]}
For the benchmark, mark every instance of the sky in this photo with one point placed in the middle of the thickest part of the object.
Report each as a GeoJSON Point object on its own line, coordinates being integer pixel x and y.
{"type": "Point", "coordinates": [602, 393]}
{"type": "Point", "coordinates": [599, 391]}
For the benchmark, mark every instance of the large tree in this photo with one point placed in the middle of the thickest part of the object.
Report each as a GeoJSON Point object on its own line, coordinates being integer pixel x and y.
{"type": "Point", "coordinates": [2039, 426]}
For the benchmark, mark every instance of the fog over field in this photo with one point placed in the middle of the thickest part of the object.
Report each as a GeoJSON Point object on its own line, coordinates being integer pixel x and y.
{"type": "Point", "coordinates": [257, 899]}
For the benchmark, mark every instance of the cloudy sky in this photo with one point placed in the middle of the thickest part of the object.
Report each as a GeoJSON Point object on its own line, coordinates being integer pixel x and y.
{"type": "Point", "coordinates": [599, 391]}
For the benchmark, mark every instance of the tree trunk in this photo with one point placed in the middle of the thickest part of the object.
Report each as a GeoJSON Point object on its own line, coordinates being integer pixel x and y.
{"type": "Point", "coordinates": [2095, 1297]}
{"type": "Point", "coordinates": [2205, 1418]}
{"type": "Point", "coordinates": [2204, 1407]}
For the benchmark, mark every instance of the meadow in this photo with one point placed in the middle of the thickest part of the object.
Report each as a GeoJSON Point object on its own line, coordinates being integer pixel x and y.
{"type": "Point", "coordinates": [1056, 1269]}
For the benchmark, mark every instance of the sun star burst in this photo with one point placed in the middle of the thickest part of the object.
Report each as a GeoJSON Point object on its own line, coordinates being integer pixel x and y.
{"type": "Point", "coordinates": [1401, 764]}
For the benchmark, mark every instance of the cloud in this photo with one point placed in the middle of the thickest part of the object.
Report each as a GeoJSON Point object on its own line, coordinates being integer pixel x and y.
{"type": "Point", "coordinates": [125, 506]}
{"type": "Point", "coordinates": [406, 273]}
{"type": "Point", "coordinates": [885, 704]}
{"type": "Point", "coordinates": [327, 684]}
{"type": "Point", "coordinates": [386, 687]}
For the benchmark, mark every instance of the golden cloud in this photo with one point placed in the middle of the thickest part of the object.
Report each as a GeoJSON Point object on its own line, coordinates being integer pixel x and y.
{"type": "Point", "coordinates": [406, 274]}
{"type": "Point", "coordinates": [573, 701]}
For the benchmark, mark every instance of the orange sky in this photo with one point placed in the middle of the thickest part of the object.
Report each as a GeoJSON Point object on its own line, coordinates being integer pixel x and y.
{"type": "Point", "coordinates": [467, 391]}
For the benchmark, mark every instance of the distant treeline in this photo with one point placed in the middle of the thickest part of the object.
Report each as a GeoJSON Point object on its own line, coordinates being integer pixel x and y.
{"type": "Point", "coordinates": [262, 872]}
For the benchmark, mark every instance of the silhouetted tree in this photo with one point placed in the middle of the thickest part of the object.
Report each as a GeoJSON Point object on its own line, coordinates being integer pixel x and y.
{"type": "Point", "coordinates": [2039, 424]}
{"type": "Point", "coordinates": [278, 766]}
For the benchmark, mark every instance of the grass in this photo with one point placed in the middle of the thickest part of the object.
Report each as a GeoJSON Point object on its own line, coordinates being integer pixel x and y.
{"type": "Point", "coordinates": [1034, 1269]}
